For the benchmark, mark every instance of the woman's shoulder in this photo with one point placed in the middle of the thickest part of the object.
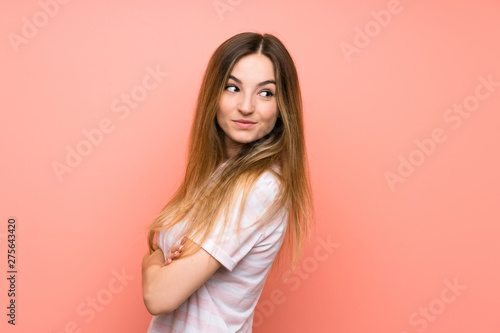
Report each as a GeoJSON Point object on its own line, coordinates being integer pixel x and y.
{"type": "Point", "coordinates": [272, 174]}
{"type": "Point", "coordinates": [270, 180]}
{"type": "Point", "coordinates": [276, 168]}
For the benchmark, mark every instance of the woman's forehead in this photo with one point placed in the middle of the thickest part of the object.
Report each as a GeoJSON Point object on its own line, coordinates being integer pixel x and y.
{"type": "Point", "coordinates": [253, 68]}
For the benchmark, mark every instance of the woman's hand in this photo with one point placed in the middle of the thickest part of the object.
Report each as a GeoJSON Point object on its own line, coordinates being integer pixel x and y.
{"type": "Point", "coordinates": [164, 289]}
{"type": "Point", "coordinates": [157, 258]}
{"type": "Point", "coordinates": [175, 251]}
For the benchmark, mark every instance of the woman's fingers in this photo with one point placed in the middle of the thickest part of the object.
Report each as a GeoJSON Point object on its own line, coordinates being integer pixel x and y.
{"type": "Point", "coordinates": [176, 248]}
{"type": "Point", "coordinates": [173, 255]}
{"type": "Point", "coordinates": [169, 259]}
{"type": "Point", "coordinates": [175, 252]}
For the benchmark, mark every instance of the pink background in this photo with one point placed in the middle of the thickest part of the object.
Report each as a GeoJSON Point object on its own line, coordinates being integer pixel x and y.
{"type": "Point", "coordinates": [392, 249]}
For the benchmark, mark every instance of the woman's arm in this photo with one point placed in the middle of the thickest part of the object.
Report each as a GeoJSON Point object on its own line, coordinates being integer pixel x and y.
{"type": "Point", "coordinates": [166, 287]}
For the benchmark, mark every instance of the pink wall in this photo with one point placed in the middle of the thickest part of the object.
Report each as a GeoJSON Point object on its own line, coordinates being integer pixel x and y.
{"type": "Point", "coordinates": [402, 130]}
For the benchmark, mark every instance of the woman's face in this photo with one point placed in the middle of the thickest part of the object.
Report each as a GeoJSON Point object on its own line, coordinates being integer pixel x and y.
{"type": "Point", "coordinates": [247, 108]}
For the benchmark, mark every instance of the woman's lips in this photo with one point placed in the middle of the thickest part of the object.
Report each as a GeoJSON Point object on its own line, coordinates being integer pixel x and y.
{"type": "Point", "coordinates": [243, 124]}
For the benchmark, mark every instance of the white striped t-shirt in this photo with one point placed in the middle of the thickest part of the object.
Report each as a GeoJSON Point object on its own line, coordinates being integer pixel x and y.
{"type": "Point", "coordinates": [226, 301]}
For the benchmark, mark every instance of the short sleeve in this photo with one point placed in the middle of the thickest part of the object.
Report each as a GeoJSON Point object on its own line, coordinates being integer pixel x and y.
{"type": "Point", "coordinates": [230, 247]}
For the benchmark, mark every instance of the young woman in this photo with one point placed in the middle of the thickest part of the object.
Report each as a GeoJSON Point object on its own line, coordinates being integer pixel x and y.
{"type": "Point", "coordinates": [246, 191]}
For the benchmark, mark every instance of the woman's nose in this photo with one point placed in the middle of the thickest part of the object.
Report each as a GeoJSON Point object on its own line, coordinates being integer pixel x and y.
{"type": "Point", "coordinates": [246, 104]}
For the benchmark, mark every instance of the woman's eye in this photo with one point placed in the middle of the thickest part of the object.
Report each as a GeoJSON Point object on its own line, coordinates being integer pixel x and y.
{"type": "Point", "coordinates": [266, 93]}
{"type": "Point", "coordinates": [232, 88]}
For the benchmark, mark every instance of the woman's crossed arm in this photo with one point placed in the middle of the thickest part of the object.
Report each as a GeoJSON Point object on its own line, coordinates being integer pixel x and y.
{"type": "Point", "coordinates": [167, 284]}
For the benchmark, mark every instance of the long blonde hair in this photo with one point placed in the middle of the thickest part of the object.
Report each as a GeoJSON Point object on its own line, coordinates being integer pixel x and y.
{"type": "Point", "coordinates": [202, 198]}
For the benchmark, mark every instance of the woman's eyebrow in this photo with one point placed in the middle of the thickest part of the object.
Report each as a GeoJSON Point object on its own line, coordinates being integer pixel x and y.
{"type": "Point", "coordinates": [260, 84]}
